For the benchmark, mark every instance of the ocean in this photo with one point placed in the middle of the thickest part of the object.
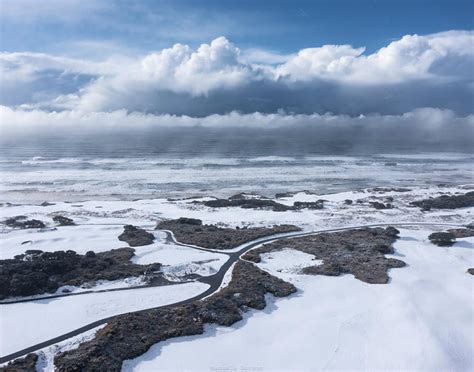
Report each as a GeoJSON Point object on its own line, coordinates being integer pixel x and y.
{"type": "Point", "coordinates": [64, 173]}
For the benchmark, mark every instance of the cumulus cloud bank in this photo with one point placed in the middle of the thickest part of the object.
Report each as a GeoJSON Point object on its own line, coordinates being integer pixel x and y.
{"type": "Point", "coordinates": [216, 78]}
{"type": "Point", "coordinates": [418, 89]}
{"type": "Point", "coordinates": [439, 57]}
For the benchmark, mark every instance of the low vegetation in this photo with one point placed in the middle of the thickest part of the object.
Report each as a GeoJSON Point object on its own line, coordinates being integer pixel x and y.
{"type": "Point", "coordinates": [193, 231]}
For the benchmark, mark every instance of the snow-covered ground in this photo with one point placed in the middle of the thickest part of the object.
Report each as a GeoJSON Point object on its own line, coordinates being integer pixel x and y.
{"type": "Point", "coordinates": [77, 238]}
{"type": "Point", "coordinates": [146, 213]}
{"type": "Point", "coordinates": [179, 261]}
{"type": "Point", "coordinates": [423, 319]}
{"type": "Point", "coordinates": [331, 323]}
{"type": "Point", "coordinates": [100, 223]}
{"type": "Point", "coordinates": [26, 324]}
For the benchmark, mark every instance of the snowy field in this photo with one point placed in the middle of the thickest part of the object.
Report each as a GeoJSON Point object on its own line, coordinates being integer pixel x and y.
{"type": "Point", "coordinates": [77, 238]}
{"type": "Point", "coordinates": [421, 320]}
{"type": "Point", "coordinates": [179, 261]}
{"type": "Point", "coordinates": [331, 322]}
{"type": "Point", "coordinates": [147, 212]}
{"type": "Point", "coordinates": [26, 324]}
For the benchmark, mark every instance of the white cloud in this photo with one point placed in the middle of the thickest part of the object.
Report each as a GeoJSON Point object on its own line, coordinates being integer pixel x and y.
{"type": "Point", "coordinates": [27, 66]}
{"type": "Point", "coordinates": [412, 72]}
{"type": "Point", "coordinates": [332, 61]}
{"type": "Point", "coordinates": [410, 58]}
{"type": "Point", "coordinates": [211, 66]}
{"type": "Point", "coordinates": [83, 121]}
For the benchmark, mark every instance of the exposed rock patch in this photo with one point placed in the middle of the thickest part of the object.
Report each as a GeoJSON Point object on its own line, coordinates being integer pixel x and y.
{"type": "Point", "coordinates": [461, 233]}
{"type": "Point", "coordinates": [390, 189]}
{"type": "Point", "coordinates": [242, 201]}
{"type": "Point", "coordinates": [26, 364]}
{"type": "Point", "coordinates": [319, 204]}
{"type": "Point", "coordinates": [189, 221]}
{"type": "Point", "coordinates": [22, 222]}
{"type": "Point", "coordinates": [63, 221]}
{"type": "Point", "coordinates": [359, 252]}
{"type": "Point", "coordinates": [36, 272]}
{"type": "Point", "coordinates": [192, 231]}
{"type": "Point", "coordinates": [247, 204]}
{"type": "Point", "coordinates": [378, 205]}
{"type": "Point", "coordinates": [284, 195]}
{"type": "Point", "coordinates": [470, 271]}
{"type": "Point", "coordinates": [442, 239]}
{"type": "Point", "coordinates": [131, 335]}
{"type": "Point", "coordinates": [135, 236]}
{"type": "Point", "coordinates": [446, 202]}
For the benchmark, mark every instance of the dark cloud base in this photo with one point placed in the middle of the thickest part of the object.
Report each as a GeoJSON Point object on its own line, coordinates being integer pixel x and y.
{"type": "Point", "coordinates": [304, 98]}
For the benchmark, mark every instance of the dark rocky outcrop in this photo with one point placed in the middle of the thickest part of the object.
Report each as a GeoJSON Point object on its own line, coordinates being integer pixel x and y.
{"type": "Point", "coordinates": [63, 221]}
{"type": "Point", "coordinates": [378, 205]}
{"type": "Point", "coordinates": [211, 236]}
{"type": "Point", "coordinates": [390, 189]}
{"type": "Point", "coordinates": [442, 239]}
{"type": "Point", "coordinates": [135, 236]}
{"type": "Point", "coordinates": [359, 252]}
{"type": "Point", "coordinates": [241, 201]}
{"type": "Point", "coordinates": [130, 335]}
{"type": "Point", "coordinates": [189, 221]}
{"type": "Point", "coordinates": [461, 233]}
{"type": "Point", "coordinates": [446, 202]}
{"type": "Point", "coordinates": [46, 204]}
{"type": "Point", "coordinates": [348, 202]}
{"type": "Point", "coordinates": [247, 204]}
{"type": "Point", "coordinates": [470, 271]}
{"type": "Point", "coordinates": [26, 364]}
{"type": "Point", "coordinates": [319, 204]}
{"type": "Point", "coordinates": [22, 222]}
{"type": "Point", "coordinates": [284, 195]}
{"type": "Point", "coordinates": [37, 272]}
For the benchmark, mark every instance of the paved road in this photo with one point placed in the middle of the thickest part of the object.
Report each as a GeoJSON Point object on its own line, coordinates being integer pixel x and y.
{"type": "Point", "coordinates": [214, 281]}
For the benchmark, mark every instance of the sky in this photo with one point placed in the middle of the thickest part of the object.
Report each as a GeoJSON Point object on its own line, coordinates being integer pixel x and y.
{"type": "Point", "coordinates": [101, 27]}
{"type": "Point", "coordinates": [67, 63]}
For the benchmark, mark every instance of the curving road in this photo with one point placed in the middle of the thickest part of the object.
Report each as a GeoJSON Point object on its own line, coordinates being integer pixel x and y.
{"type": "Point", "coordinates": [214, 280]}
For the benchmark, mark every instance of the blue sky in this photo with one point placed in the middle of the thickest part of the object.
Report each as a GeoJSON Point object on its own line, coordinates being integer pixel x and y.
{"type": "Point", "coordinates": [91, 27]}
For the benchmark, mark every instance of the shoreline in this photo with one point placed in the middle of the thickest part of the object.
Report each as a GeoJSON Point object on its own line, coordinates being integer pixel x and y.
{"type": "Point", "coordinates": [52, 197]}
